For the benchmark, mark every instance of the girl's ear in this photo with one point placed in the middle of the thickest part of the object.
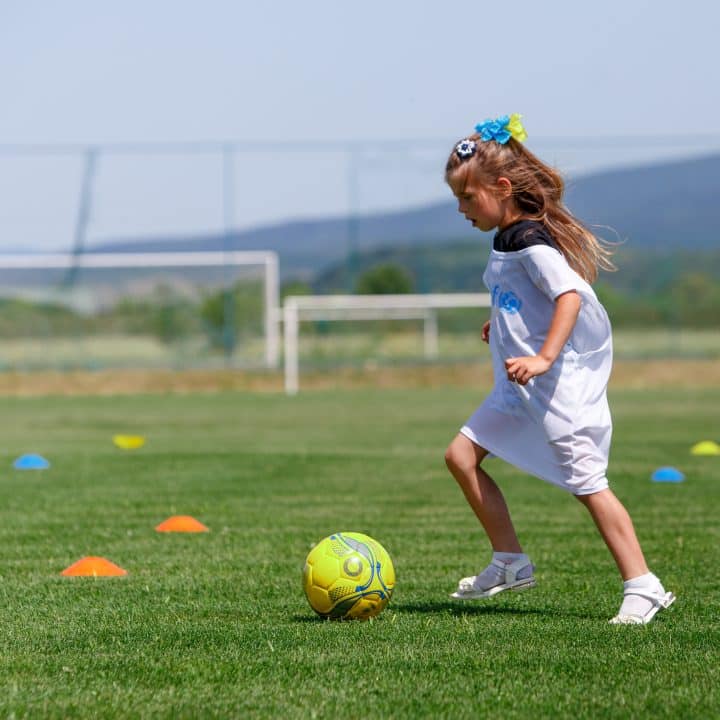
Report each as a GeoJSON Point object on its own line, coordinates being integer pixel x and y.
{"type": "Point", "coordinates": [504, 187]}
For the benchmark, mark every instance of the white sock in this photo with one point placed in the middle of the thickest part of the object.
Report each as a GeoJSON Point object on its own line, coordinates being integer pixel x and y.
{"type": "Point", "coordinates": [635, 604]}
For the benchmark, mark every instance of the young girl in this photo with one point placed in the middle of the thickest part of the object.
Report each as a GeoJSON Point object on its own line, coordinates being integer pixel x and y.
{"type": "Point", "coordinates": [551, 349]}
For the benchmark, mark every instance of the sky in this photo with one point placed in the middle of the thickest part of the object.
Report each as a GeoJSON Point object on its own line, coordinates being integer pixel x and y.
{"type": "Point", "coordinates": [598, 85]}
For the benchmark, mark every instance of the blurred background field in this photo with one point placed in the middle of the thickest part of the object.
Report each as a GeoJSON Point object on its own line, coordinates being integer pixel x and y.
{"type": "Point", "coordinates": [663, 300]}
{"type": "Point", "coordinates": [336, 168]}
{"type": "Point", "coordinates": [376, 347]}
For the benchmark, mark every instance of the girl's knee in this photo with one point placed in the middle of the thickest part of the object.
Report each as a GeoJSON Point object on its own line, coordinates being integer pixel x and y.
{"type": "Point", "coordinates": [452, 457]}
{"type": "Point", "coordinates": [461, 455]}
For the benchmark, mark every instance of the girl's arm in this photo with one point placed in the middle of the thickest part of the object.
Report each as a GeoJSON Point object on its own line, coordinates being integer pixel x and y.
{"type": "Point", "coordinates": [521, 369]}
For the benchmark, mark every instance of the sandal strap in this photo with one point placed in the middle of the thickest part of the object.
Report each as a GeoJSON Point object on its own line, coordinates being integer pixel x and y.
{"type": "Point", "coordinates": [654, 597]}
{"type": "Point", "coordinates": [511, 569]}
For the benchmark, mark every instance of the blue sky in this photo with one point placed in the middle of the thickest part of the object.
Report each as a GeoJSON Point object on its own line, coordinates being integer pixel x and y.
{"type": "Point", "coordinates": [622, 81]}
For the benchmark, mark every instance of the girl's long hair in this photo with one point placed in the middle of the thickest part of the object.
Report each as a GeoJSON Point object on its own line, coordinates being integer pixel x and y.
{"type": "Point", "coordinates": [538, 193]}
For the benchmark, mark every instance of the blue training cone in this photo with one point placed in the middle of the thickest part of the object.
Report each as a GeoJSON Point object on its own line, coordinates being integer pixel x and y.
{"type": "Point", "coordinates": [31, 462]}
{"type": "Point", "coordinates": [667, 474]}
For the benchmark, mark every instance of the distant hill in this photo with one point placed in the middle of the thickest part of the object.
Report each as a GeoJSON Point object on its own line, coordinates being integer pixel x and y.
{"type": "Point", "coordinates": [459, 267]}
{"type": "Point", "coordinates": [673, 205]}
{"type": "Point", "coordinates": [307, 246]}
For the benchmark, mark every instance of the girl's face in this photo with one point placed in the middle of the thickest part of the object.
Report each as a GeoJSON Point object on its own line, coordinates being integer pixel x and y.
{"type": "Point", "coordinates": [485, 206]}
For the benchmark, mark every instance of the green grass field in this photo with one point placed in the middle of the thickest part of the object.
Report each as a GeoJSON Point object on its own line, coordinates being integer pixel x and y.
{"type": "Point", "coordinates": [216, 625]}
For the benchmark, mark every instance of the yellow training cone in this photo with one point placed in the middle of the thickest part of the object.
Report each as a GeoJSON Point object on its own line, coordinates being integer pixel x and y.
{"type": "Point", "coordinates": [129, 442]}
{"type": "Point", "coordinates": [181, 523]}
{"type": "Point", "coordinates": [93, 567]}
{"type": "Point", "coordinates": [706, 447]}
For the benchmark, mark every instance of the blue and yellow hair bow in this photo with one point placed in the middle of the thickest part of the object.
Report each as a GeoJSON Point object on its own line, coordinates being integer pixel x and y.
{"type": "Point", "coordinates": [502, 129]}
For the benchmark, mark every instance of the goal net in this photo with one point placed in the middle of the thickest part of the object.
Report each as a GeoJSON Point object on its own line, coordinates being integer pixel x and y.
{"type": "Point", "coordinates": [350, 309]}
{"type": "Point", "coordinates": [180, 309]}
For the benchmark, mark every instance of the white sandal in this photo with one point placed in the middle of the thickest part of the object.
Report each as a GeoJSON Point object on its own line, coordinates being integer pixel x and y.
{"type": "Point", "coordinates": [467, 589]}
{"type": "Point", "coordinates": [659, 602]}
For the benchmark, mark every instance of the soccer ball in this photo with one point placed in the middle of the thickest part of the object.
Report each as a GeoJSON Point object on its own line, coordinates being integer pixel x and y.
{"type": "Point", "coordinates": [348, 575]}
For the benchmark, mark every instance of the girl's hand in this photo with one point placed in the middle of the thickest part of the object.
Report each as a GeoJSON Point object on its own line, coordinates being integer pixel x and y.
{"type": "Point", "coordinates": [485, 333]}
{"type": "Point", "coordinates": [521, 369]}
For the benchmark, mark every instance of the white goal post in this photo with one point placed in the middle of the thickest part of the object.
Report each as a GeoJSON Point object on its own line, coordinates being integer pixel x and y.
{"type": "Point", "coordinates": [263, 258]}
{"type": "Point", "coordinates": [366, 307]}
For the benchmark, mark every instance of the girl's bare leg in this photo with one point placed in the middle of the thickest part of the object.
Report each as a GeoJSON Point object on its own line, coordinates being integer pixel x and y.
{"type": "Point", "coordinates": [643, 593]}
{"type": "Point", "coordinates": [463, 459]}
{"type": "Point", "coordinates": [617, 530]}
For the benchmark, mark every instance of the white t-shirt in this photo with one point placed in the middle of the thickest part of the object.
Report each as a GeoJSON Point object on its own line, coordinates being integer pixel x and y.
{"type": "Point", "coordinates": [558, 426]}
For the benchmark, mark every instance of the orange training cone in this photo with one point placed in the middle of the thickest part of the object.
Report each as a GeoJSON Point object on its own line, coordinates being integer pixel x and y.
{"type": "Point", "coordinates": [182, 523]}
{"type": "Point", "coordinates": [93, 567]}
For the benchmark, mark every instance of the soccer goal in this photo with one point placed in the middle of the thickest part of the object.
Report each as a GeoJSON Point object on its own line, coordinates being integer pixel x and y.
{"type": "Point", "coordinates": [366, 307]}
{"type": "Point", "coordinates": [116, 301]}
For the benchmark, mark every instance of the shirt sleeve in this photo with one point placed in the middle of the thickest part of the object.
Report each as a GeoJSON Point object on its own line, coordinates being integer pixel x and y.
{"type": "Point", "coordinates": [550, 272]}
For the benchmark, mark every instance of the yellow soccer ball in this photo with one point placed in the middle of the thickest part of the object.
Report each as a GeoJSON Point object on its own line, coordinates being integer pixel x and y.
{"type": "Point", "coordinates": [348, 575]}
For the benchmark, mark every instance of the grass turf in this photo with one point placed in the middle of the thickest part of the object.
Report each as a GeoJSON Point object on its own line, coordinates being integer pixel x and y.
{"type": "Point", "coordinates": [216, 625]}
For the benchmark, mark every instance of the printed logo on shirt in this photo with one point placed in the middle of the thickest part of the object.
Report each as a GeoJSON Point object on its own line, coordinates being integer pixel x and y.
{"type": "Point", "coordinates": [508, 301]}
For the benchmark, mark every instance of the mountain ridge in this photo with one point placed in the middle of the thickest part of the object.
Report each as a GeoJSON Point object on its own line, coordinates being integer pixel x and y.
{"type": "Point", "coordinates": [670, 205]}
